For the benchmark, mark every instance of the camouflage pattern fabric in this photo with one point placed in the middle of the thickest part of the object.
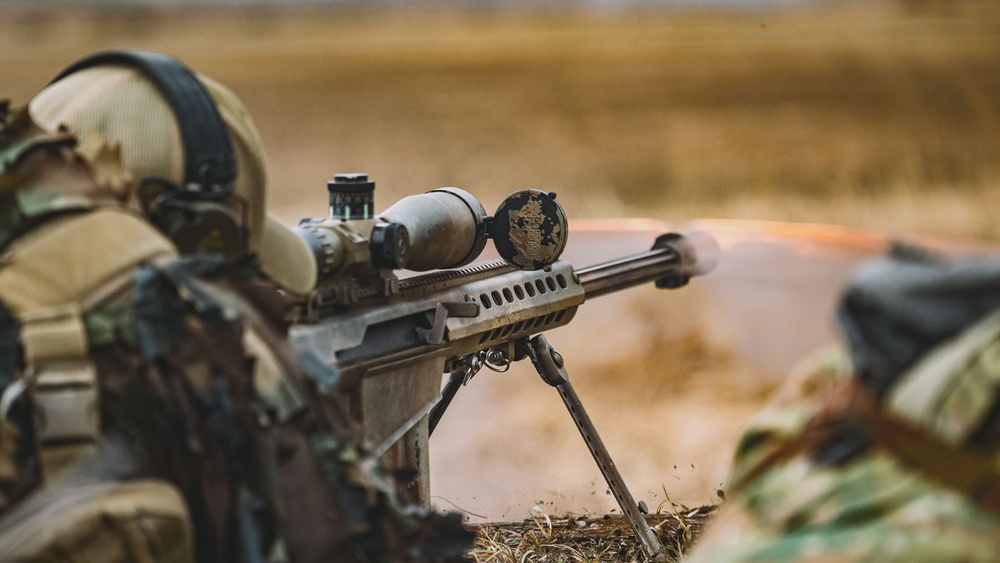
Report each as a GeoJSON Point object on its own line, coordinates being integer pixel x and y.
{"type": "Point", "coordinates": [868, 506]}
{"type": "Point", "coordinates": [886, 450]}
{"type": "Point", "coordinates": [272, 468]}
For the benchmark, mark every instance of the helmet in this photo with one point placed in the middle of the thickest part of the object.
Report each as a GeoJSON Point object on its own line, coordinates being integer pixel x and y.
{"type": "Point", "coordinates": [126, 107]}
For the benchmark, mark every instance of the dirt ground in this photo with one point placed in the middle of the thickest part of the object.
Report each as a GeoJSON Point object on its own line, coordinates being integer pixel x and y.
{"type": "Point", "coordinates": [873, 117]}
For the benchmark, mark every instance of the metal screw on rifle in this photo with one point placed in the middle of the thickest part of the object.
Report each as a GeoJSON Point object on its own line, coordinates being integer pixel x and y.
{"type": "Point", "coordinates": [496, 360]}
{"type": "Point", "coordinates": [556, 358]}
{"type": "Point", "coordinates": [643, 508]}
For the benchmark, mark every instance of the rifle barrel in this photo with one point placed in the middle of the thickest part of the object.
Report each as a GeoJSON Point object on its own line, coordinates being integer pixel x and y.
{"type": "Point", "coordinates": [637, 269]}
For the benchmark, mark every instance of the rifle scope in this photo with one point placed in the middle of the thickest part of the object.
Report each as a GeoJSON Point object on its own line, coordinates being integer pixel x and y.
{"type": "Point", "coordinates": [443, 228]}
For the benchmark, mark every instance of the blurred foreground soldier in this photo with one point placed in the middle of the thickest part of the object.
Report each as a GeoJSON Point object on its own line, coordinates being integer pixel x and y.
{"type": "Point", "coordinates": [890, 452]}
{"type": "Point", "coordinates": [144, 376]}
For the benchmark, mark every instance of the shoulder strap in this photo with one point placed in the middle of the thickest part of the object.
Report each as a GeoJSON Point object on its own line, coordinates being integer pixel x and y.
{"type": "Point", "coordinates": [10, 351]}
{"type": "Point", "coordinates": [953, 388]}
{"type": "Point", "coordinates": [852, 423]}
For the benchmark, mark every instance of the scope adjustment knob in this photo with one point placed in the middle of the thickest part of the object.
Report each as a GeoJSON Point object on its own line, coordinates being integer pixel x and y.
{"type": "Point", "coordinates": [390, 246]}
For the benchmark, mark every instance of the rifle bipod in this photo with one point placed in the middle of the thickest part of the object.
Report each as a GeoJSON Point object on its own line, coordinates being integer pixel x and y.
{"type": "Point", "coordinates": [549, 365]}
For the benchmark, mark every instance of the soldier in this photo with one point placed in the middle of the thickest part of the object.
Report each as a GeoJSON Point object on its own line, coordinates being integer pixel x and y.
{"type": "Point", "coordinates": [142, 329]}
{"type": "Point", "coordinates": [887, 451]}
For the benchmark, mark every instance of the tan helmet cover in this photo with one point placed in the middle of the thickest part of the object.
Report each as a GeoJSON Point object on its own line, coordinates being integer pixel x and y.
{"type": "Point", "coordinates": [124, 106]}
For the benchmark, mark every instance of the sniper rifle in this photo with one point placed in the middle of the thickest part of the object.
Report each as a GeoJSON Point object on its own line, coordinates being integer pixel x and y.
{"type": "Point", "coordinates": [391, 337]}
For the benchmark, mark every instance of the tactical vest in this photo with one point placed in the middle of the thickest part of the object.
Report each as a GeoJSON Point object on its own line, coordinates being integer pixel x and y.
{"type": "Point", "coordinates": [51, 277]}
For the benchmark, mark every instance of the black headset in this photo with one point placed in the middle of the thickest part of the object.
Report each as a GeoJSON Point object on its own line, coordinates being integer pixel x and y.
{"type": "Point", "coordinates": [191, 213]}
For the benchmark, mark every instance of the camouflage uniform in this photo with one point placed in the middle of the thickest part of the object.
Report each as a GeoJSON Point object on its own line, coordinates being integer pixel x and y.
{"type": "Point", "coordinates": [886, 450]}
{"type": "Point", "coordinates": [214, 439]}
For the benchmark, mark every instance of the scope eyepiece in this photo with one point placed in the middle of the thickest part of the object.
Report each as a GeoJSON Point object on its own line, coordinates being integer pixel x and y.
{"type": "Point", "coordinates": [327, 248]}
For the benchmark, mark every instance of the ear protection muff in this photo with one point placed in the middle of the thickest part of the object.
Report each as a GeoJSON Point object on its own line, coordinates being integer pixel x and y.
{"type": "Point", "coordinates": [192, 213]}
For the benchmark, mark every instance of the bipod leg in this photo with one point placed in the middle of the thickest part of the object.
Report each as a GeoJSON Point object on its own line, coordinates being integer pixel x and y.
{"type": "Point", "coordinates": [451, 388]}
{"type": "Point", "coordinates": [549, 365]}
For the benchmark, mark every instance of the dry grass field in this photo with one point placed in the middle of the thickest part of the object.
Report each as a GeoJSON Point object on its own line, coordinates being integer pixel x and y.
{"type": "Point", "coordinates": [874, 115]}
{"type": "Point", "coordinates": [868, 115]}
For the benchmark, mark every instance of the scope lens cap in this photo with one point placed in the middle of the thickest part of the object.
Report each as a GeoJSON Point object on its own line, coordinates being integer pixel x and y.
{"type": "Point", "coordinates": [529, 229]}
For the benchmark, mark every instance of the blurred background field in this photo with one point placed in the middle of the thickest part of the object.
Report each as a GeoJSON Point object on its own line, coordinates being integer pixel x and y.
{"type": "Point", "coordinates": [881, 115]}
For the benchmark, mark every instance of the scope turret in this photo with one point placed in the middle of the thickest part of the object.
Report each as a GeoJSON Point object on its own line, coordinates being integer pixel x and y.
{"type": "Point", "coordinates": [352, 197]}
